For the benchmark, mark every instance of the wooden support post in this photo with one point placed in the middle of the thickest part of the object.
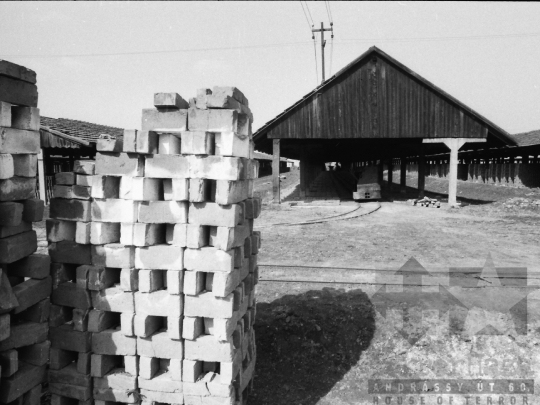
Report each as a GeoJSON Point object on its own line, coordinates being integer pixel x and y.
{"type": "Point", "coordinates": [380, 173]}
{"type": "Point", "coordinates": [390, 168]}
{"type": "Point", "coordinates": [421, 175]}
{"type": "Point", "coordinates": [275, 171]}
{"type": "Point", "coordinates": [41, 177]}
{"type": "Point", "coordinates": [403, 177]}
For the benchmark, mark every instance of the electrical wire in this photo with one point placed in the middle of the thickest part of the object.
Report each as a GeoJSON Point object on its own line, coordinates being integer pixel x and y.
{"type": "Point", "coordinates": [307, 20]}
{"type": "Point", "coordinates": [279, 45]}
{"type": "Point", "coordinates": [309, 12]}
{"type": "Point", "coordinates": [328, 11]}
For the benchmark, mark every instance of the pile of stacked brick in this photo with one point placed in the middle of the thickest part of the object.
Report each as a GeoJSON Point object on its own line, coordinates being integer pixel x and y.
{"type": "Point", "coordinates": [154, 267]}
{"type": "Point", "coordinates": [25, 284]}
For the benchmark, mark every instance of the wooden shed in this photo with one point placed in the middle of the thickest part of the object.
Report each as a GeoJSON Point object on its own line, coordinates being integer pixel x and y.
{"type": "Point", "coordinates": [373, 110]}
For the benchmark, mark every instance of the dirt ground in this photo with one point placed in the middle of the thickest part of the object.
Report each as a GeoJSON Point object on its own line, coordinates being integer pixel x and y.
{"type": "Point", "coordinates": [320, 340]}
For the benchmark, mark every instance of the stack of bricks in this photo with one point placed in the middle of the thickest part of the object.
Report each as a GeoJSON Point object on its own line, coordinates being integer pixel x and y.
{"type": "Point", "coordinates": [25, 284]}
{"type": "Point", "coordinates": [70, 232]}
{"type": "Point", "coordinates": [154, 267]}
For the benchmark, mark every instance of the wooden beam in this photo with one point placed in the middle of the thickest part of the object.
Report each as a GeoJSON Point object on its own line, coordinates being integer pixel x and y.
{"type": "Point", "coordinates": [421, 174]}
{"type": "Point", "coordinates": [275, 171]}
{"type": "Point", "coordinates": [41, 177]}
{"type": "Point", "coordinates": [403, 175]}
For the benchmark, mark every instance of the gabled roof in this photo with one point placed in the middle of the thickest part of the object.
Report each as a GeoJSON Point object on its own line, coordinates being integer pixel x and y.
{"type": "Point", "coordinates": [494, 129]}
{"type": "Point", "coordinates": [527, 138]}
{"type": "Point", "coordinates": [85, 131]}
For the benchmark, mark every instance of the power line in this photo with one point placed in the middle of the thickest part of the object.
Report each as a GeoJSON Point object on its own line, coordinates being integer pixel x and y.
{"type": "Point", "coordinates": [328, 11]}
{"type": "Point", "coordinates": [309, 12]}
{"type": "Point", "coordinates": [278, 45]}
{"type": "Point", "coordinates": [307, 20]}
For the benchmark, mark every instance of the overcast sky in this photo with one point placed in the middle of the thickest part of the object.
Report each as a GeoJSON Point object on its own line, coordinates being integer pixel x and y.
{"type": "Point", "coordinates": [485, 54]}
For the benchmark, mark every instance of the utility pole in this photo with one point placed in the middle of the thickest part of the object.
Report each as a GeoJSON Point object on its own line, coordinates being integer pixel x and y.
{"type": "Point", "coordinates": [323, 42]}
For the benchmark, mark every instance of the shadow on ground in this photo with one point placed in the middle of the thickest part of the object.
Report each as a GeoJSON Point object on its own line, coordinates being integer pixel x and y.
{"type": "Point", "coordinates": [306, 343]}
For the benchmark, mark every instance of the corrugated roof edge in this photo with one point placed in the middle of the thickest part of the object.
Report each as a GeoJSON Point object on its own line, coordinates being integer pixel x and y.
{"type": "Point", "coordinates": [497, 131]}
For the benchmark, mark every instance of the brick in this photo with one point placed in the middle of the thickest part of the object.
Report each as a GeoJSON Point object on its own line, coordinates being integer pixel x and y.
{"type": "Point", "coordinates": [25, 334]}
{"type": "Point", "coordinates": [231, 192]}
{"type": "Point", "coordinates": [138, 234]}
{"type": "Point", "coordinates": [217, 168]}
{"type": "Point", "coordinates": [6, 231]}
{"type": "Point", "coordinates": [233, 92]}
{"type": "Point", "coordinates": [25, 118]}
{"type": "Point", "coordinates": [36, 354]}
{"type": "Point", "coordinates": [127, 323]}
{"type": "Point", "coordinates": [5, 114]}
{"type": "Point", "coordinates": [113, 210]}
{"type": "Point", "coordinates": [9, 362]}
{"type": "Point", "coordinates": [105, 186]}
{"type": "Point", "coordinates": [4, 327]}
{"type": "Point", "coordinates": [15, 71]}
{"type": "Point", "coordinates": [194, 282]}
{"type": "Point", "coordinates": [117, 379]}
{"type": "Point", "coordinates": [104, 233]}
{"type": "Point", "coordinates": [7, 298]}
{"type": "Point", "coordinates": [11, 213]}
{"type": "Point", "coordinates": [212, 214]}
{"type": "Point", "coordinates": [83, 180]}
{"type": "Point", "coordinates": [70, 253]}
{"type": "Point", "coordinates": [147, 142]}
{"type": "Point", "coordinates": [16, 247]}
{"type": "Point", "coordinates": [161, 346]}
{"type": "Point", "coordinates": [17, 188]}
{"type": "Point", "coordinates": [129, 280]}
{"type": "Point", "coordinates": [71, 391]}
{"type": "Point", "coordinates": [100, 278]}
{"type": "Point", "coordinates": [30, 292]}
{"type": "Point", "coordinates": [59, 315]}
{"type": "Point", "coordinates": [99, 321]}
{"type": "Point", "coordinates": [213, 120]}
{"type": "Point", "coordinates": [169, 144]}
{"type": "Point", "coordinates": [70, 376]}
{"type": "Point", "coordinates": [7, 167]}
{"type": "Point", "coordinates": [71, 210]}
{"type": "Point", "coordinates": [119, 164]}
{"type": "Point", "coordinates": [146, 326]}
{"type": "Point", "coordinates": [206, 348]}
{"type": "Point", "coordinates": [80, 319]}
{"type": "Point", "coordinates": [86, 167]}
{"type": "Point", "coordinates": [113, 255]}
{"type": "Point", "coordinates": [38, 312]}
{"type": "Point", "coordinates": [192, 327]}
{"type": "Point", "coordinates": [169, 100]}
{"type": "Point", "coordinates": [62, 191]}
{"type": "Point", "coordinates": [174, 327]}
{"type": "Point", "coordinates": [175, 189]}
{"type": "Point", "coordinates": [113, 342]}
{"type": "Point", "coordinates": [60, 358]}
{"type": "Point", "coordinates": [64, 178]}
{"type": "Point", "coordinates": [18, 91]}
{"type": "Point", "coordinates": [148, 367]}
{"type": "Point", "coordinates": [103, 396]}
{"type": "Point", "coordinates": [198, 143]}
{"type": "Point", "coordinates": [33, 397]}
{"type": "Point", "coordinates": [162, 396]}
{"type": "Point", "coordinates": [197, 236]}
{"type": "Point", "coordinates": [176, 234]}
{"type": "Point", "coordinates": [25, 165]}
{"type": "Point", "coordinates": [26, 378]}
{"type": "Point", "coordinates": [170, 212]}
{"type": "Point", "coordinates": [159, 257]}
{"type": "Point", "coordinates": [33, 210]}
{"type": "Point", "coordinates": [209, 259]}
{"type": "Point", "coordinates": [107, 143]}
{"type": "Point", "coordinates": [82, 233]}
{"type": "Point", "coordinates": [19, 141]}
{"type": "Point", "coordinates": [159, 303]}
{"type": "Point", "coordinates": [164, 120]}
{"type": "Point", "coordinates": [226, 238]}
{"type": "Point", "coordinates": [167, 166]}
{"type": "Point", "coordinates": [199, 190]}
{"type": "Point", "coordinates": [222, 284]}
{"type": "Point", "coordinates": [141, 189]}
{"type": "Point", "coordinates": [103, 364]}
{"type": "Point", "coordinates": [58, 230]}
{"type": "Point", "coordinates": [232, 144]}
{"type": "Point", "coordinates": [206, 305]}
{"type": "Point", "coordinates": [81, 192]}
{"type": "Point", "coordinates": [70, 295]}
{"type": "Point", "coordinates": [113, 299]}
{"type": "Point", "coordinates": [175, 282]}
{"type": "Point", "coordinates": [151, 280]}
{"type": "Point", "coordinates": [130, 140]}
